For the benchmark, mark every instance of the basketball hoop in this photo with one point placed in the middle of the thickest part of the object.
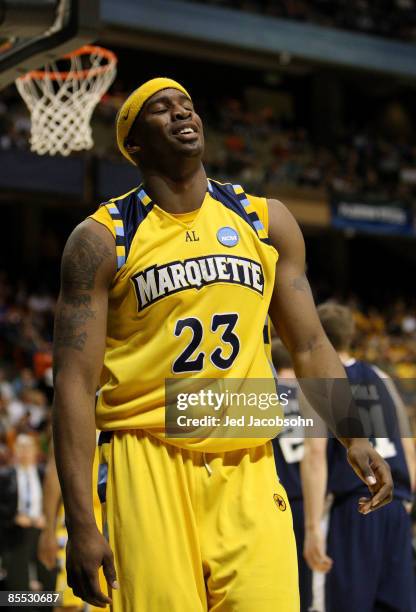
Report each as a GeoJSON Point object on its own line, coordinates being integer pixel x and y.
{"type": "Point", "coordinates": [61, 102]}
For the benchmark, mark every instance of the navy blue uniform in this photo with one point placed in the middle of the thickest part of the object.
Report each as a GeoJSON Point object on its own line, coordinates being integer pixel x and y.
{"type": "Point", "coordinates": [288, 453]}
{"type": "Point", "coordinates": [372, 554]}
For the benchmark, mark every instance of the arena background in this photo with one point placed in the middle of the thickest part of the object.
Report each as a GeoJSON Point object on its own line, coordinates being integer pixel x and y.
{"type": "Point", "coordinates": [308, 102]}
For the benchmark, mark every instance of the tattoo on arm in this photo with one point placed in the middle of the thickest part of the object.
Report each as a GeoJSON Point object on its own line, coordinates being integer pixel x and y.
{"type": "Point", "coordinates": [82, 258]}
{"type": "Point", "coordinates": [70, 321]}
{"type": "Point", "coordinates": [81, 262]}
{"type": "Point", "coordinates": [300, 283]}
{"type": "Point", "coordinates": [313, 343]}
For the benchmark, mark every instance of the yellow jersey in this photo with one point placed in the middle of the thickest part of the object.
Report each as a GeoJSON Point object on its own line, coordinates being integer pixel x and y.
{"type": "Point", "coordinates": [190, 299]}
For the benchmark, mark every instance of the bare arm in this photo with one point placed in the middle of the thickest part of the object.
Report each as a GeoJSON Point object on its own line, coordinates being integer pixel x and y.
{"type": "Point", "coordinates": [51, 493]}
{"type": "Point", "coordinates": [88, 266]}
{"type": "Point", "coordinates": [315, 361]}
{"type": "Point", "coordinates": [47, 545]}
{"type": "Point", "coordinates": [292, 308]}
{"type": "Point", "coordinates": [410, 454]}
{"type": "Point", "coordinates": [314, 474]}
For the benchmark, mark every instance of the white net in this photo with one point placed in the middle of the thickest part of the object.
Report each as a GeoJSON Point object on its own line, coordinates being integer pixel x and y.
{"type": "Point", "coordinates": [61, 102]}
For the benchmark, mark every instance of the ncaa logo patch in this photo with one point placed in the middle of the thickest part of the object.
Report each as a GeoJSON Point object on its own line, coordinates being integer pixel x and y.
{"type": "Point", "coordinates": [227, 236]}
{"type": "Point", "coordinates": [280, 502]}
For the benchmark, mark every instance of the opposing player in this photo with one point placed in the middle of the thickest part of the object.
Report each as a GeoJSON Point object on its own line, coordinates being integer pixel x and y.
{"type": "Point", "coordinates": [368, 558]}
{"type": "Point", "coordinates": [172, 280]}
{"type": "Point", "coordinates": [288, 450]}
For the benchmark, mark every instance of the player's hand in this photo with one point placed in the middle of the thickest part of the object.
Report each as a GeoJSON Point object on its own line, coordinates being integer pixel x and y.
{"type": "Point", "coordinates": [374, 471]}
{"type": "Point", "coordinates": [23, 520]}
{"type": "Point", "coordinates": [47, 548]}
{"type": "Point", "coordinates": [314, 551]}
{"type": "Point", "coordinates": [86, 551]}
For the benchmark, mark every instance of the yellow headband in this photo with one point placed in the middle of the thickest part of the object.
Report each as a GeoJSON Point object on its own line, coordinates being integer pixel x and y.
{"type": "Point", "coordinates": [133, 105]}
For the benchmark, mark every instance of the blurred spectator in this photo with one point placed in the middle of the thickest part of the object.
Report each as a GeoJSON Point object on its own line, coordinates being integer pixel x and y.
{"type": "Point", "coordinates": [24, 380]}
{"type": "Point", "coordinates": [21, 517]}
{"type": "Point", "coordinates": [6, 388]}
{"type": "Point", "coordinates": [26, 324]}
{"type": "Point", "coordinates": [5, 421]}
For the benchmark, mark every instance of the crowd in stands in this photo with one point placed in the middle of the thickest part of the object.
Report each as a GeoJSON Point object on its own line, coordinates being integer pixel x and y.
{"type": "Point", "coordinates": [257, 148]}
{"type": "Point", "coordinates": [26, 322]}
{"type": "Point", "coordinates": [387, 338]}
{"type": "Point", "coordinates": [389, 18]}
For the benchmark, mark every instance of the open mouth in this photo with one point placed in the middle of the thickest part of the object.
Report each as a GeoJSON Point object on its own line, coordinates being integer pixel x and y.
{"type": "Point", "coordinates": [186, 135]}
{"type": "Point", "coordinates": [186, 130]}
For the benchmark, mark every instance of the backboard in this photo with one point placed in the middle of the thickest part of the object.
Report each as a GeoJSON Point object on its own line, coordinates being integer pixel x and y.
{"type": "Point", "coordinates": [36, 32]}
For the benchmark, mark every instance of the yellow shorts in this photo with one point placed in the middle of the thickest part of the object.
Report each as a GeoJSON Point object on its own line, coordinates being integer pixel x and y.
{"type": "Point", "coordinates": [193, 532]}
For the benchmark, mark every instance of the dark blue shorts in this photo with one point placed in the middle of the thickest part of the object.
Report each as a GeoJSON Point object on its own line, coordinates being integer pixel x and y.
{"type": "Point", "coordinates": [372, 556]}
{"type": "Point", "coordinates": [305, 574]}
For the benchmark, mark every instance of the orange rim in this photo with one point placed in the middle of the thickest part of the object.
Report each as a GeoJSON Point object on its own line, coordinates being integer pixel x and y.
{"type": "Point", "coordinates": [75, 74]}
{"type": "Point", "coordinates": [5, 45]}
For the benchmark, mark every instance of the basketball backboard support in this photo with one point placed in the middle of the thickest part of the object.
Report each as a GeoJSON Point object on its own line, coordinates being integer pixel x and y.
{"type": "Point", "coordinates": [36, 32]}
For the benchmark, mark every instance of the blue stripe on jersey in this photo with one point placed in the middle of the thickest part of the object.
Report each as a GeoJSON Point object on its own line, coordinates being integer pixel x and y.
{"type": "Point", "coordinates": [105, 437]}
{"type": "Point", "coordinates": [132, 211]}
{"type": "Point", "coordinates": [102, 481]}
{"type": "Point", "coordinates": [134, 207]}
{"type": "Point", "coordinates": [227, 196]}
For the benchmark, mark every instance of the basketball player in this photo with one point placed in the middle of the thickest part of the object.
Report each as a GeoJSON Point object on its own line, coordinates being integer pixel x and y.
{"type": "Point", "coordinates": [369, 558]}
{"type": "Point", "coordinates": [54, 537]}
{"type": "Point", "coordinates": [288, 453]}
{"type": "Point", "coordinates": [173, 280]}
